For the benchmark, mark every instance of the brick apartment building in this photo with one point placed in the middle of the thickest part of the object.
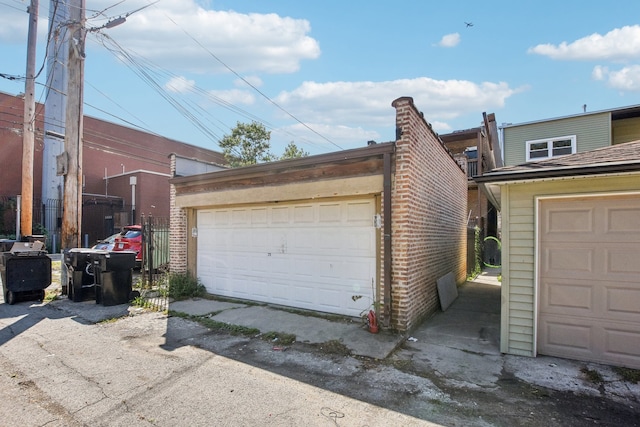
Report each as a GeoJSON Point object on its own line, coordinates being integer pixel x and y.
{"type": "Point", "coordinates": [121, 165]}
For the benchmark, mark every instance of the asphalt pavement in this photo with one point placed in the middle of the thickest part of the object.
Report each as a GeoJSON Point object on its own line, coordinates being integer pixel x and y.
{"type": "Point", "coordinates": [81, 363]}
{"type": "Point", "coordinates": [462, 344]}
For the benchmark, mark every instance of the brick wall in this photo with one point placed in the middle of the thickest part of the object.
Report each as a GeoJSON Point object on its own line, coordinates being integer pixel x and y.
{"type": "Point", "coordinates": [429, 209]}
{"type": "Point", "coordinates": [177, 230]}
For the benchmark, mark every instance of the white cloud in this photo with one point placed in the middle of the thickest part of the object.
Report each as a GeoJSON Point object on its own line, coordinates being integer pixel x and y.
{"type": "Point", "coordinates": [233, 96]}
{"type": "Point", "coordinates": [441, 127]}
{"type": "Point", "coordinates": [255, 81]}
{"type": "Point", "coordinates": [450, 40]}
{"type": "Point", "coordinates": [625, 79]}
{"type": "Point", "coordinates": [369, 103]}
{"type": "Point", "coordinates": [15, 23]}
{"type": "Point", "coordinates": [599, 72]}
{"type": "Point", "coordinates": [180, 85]}
{"type": "Point", "coordinates": [341, 136]}
{"type": "Point", "coordinates": [617, 45]}
{"type": "Point", "coordinates": [181, 34]}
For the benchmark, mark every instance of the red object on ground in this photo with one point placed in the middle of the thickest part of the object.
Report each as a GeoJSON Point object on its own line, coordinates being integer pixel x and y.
{"type": "Point", "coordinates": [373, 322]}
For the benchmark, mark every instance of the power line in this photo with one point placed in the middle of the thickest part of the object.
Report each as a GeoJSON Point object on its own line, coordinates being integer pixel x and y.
{"type": "Point", "coordinates": [194, 113]}
{"type": "Point", "coordinates": [140, 65]}
{"type": "Point", "coordinates": [251, 85]}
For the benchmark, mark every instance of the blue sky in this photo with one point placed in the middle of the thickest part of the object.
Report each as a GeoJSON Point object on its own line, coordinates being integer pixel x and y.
{"type": "Point", "coordinates": [323, 74]}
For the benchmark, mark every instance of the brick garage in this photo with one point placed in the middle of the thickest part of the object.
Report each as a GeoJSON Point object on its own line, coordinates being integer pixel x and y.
{"type": "Point", "coordinates": [413, 185]}
{"type": "Point", "coordinates": [428, 217]}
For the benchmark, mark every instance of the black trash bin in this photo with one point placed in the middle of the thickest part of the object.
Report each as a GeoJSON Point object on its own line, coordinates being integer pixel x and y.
{"type": "Point", "coordinates": [80, 284]}
{"type": "Point", "coordinates": [6, 244]}
{"type": "Point", "coordinates": [113, 276]}
{"type": "Point", "coordinates": [25, 271]}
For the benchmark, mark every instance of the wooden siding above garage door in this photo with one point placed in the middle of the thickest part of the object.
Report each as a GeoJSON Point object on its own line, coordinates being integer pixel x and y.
{"type": "Point", "coordinates": [589, 279]}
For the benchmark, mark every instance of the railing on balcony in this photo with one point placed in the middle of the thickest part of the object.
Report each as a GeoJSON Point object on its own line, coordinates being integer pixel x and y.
{"type": "Point", "coordinates": [472, 168]}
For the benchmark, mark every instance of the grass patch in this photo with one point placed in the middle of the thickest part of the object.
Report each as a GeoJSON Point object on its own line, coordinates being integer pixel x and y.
{"type": "Point", "coordinates": [145, 303]}
{"type": "Point", "coordinates": [592, 375]}
{"type": "Point", "coordinates": [214, 325]}
{"type": "Point", "coordinates": [280, 337]}
{"type": "Point", "coordinates": [334, 347]}
{"type": "Point", "coordinates": [404, 365]}
{"type": "Point", "coordinates": [317, 315]}
{"type": "Point", "coordinates": [50, 296]}
{"type": "Point", "coordinates": [628, 374]}
{"type": "Point", "coordinates": [110, 320]}
{"type": "Point", "coordinates": [184, 285]}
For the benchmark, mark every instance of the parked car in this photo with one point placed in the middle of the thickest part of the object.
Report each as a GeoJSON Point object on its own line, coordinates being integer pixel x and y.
{"type": "Point", "coordinates": [130, 239]}
{"type": "Point", "coordinates": [106, 244]}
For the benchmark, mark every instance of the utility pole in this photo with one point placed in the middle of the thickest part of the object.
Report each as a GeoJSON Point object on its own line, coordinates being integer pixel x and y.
{"type": "Point", "coordinates": [72, 156]}
{"type": "Point", "coordinates": [28, 133]}
{"type": "Point", "coordinates": [54, 116]}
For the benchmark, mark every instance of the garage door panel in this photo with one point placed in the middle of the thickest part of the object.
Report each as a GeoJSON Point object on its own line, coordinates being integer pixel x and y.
{"type": "Point", "coordinates": [259, 216]}
{"type": "Point", "coordinates": [622, 343]}
{"type": "Point", "coordinates": [623, 221]}
{"type": "Point", "coordinates": [279, 215]}
{"type": "Point", "coordinates": [309, 255]}
{"type": "Point", "coordinates": [569, 220]}
{"type": "Point", "coordinates": [589, 279]}
{"type": "Point", "coordinates": [622, 303]}
{"type": "Point", "coordinates": [563, 260]}
{"type": "Point", "coordinates": [623, 260]}
{"type": "Point", "coordinates": [303, 214]}
{"type": "Point", "coordinates": [561, 335]}
{"type": "Point", "coordinates": [606, 342]}
{"type": "Point", "coordinates": [330, 213]}
{"type": "Point", "coordinates": [570, 296]}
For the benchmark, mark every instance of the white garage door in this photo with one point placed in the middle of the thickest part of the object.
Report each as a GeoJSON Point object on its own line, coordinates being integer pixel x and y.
{"type": "Point", "coordinates": [589, 279]}
{"type": "Point", "coordinates": [317, 255]}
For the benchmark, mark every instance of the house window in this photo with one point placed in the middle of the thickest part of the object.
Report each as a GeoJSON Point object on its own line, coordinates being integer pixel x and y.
{"type": "Point", "coordinates": [551, 147]}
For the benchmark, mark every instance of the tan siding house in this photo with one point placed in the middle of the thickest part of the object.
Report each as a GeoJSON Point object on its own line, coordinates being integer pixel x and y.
{"type": "Point", "coordinates": [587, 131]}
{"type": "Point", "coordinates": [571, 241]}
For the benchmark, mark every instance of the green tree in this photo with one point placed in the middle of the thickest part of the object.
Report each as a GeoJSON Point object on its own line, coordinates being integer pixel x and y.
{"type": "Point", "coordinates": [248, 144]}
{"type": "Point", "coordinates": [293, 152]}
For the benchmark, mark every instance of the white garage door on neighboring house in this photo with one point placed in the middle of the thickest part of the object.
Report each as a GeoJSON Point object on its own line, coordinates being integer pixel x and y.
{"type": "Point", "coordinates": [316, 255]}
{"type": "Point", "coordinates": [589, 279]}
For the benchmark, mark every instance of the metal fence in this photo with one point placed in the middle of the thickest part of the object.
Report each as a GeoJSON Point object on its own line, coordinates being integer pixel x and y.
{"type": "Point", "coordinates": [155, 262]}
{"type": "Point", "coordinates": [100, 218]}
{"type": "Point", "coordinates": [46, 216]}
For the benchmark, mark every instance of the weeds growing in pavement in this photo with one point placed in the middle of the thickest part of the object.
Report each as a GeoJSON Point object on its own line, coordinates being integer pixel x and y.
{"type": "Point", "coordinates": [184, 285]}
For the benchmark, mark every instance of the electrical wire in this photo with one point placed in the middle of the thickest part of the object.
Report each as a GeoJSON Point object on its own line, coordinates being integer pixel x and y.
{"type": "Point", "coordinates": [196, 114]}
{"type": "Point", "coordinates": [250, 84]}
{"type": "Point", "coordinates": [139, 64]}
{"type": "Point", "coordinates": [21, 9]}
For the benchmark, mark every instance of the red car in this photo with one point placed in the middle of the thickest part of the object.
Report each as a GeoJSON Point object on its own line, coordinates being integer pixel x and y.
{"type": "Point", "coordinates": [130, 239]}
